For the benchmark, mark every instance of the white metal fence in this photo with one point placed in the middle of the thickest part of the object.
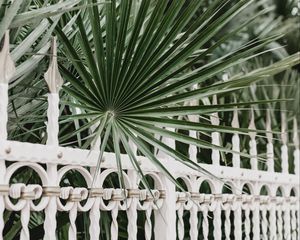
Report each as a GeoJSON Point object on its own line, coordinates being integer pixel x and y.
{"type": "Point", "coordinates": [234, 215]}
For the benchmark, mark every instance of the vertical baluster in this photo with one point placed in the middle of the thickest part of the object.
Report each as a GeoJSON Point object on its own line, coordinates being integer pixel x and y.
{"type": "Point", "coordinates": [284, 148]}
{"type": "Point", "coordinates": [279, 222]}
{"type": "Point", "coordinates": [247, 223]}
{"type": "Point", "coordinates": [217, 221]}
{"type": "Point", "coordinates": [7, 70]}
{"type": "Point", "coordinates": [194, 212]}
{"type": "Point", "coordinates": [226, 206]}
{"type": "Point", "coordinates": [264, 219]}
{"type": "Point", "coordinates": [293, 218]}
{"type": "Point", "coordinates": [287, 220]}
{"type": "Point", "coordinates": [132, 210]}
{"type": "Point", "coordinates": [272, 218]}
{"type": "Point", "coordinates": [296, 144]}
{"type": "Point", "coordinates": [256, 220]}
{"type": "Point", "coordinates": [54, 81]}
{"type": "Point", "coordinates": [114, 228]}
{"type": "Point", "coordinates": [166, 229]}
{"type": "Point", "coordinates": [94, 215]}
{"type": "Point", "coordinates": [205, 225]}
{"type": "Point", "coordinates": [215, 136]}
{"type": "Point", "coordinates": [270, 151]}
{"type": "Point", "coordinates": [216, 201]}
{"type": "Point", "coordinates": [297, 213]}
{"type": "Point", "coordinates": [238, 222]}
{"type": "Point", "coordinates": [252, 144]}
{"type": "Point", "coordinates": [180, 210]}
{"type": "Point", "coordinates": [148, 224]}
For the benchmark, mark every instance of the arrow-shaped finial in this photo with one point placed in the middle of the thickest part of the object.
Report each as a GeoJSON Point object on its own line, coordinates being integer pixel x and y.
{"type": "Point", "coordinates": [52, 76]}
{"type": "Point", "coordinates": [295, 135]}
{"type": "Point", "coordinates": [268, 127]}
{"type": "Point", "coordinates": [7, 66]}
{"type": "Point", "coordinates": [214, 118]}
{"type": "Point", "coordinates": [252, 125]}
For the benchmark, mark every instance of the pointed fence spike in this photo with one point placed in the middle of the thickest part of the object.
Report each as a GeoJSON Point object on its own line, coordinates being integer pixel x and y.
{"type": "Point", "coordinates": [268, 127]}
{"type": "Point", "coordinates": [283, 128]}
{"type": "Point", "coordinates": [295, 133]}
{"type": "Point", "coordinates": [52, 76]}
{"type": "Point", "coordinates": [284, 148]}
{"type": "Point", "coordinates": [252, 134]}
{"type": "Point", "coordinates": [252, 143]}
{"type": "Point", "coordinates": [7, 66]}
{"type": "Point", "coordinates": [214, 118]}
{"type": "Point", "coordinates": [235, 139]}
{"type": "Point", "coordinates": [270, 148]}
{"type": "Point", "coordinates": [215, 136]}
{"type": "Point", "coordinates": [235, 120]}
{"type": "Point", "coordinates": [296, 150]}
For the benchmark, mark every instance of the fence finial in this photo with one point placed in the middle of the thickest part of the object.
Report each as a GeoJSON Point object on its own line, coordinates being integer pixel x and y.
{"type": "Point", "coordinates": [7, 66]}
{"type": "Point", "coordinates": [296, 150]}
{"type": "Point", "coordinates": [252, 125]}
{"type": "Point", "coordinates": [235, 139]}
{"type": "Point", "coordinates": [235, 120]}
{"type": "Point", "coordinates": [52, 76]}
{"type": "Point", "coordinates": [270, 149]}
{"type": "Point", "coordinates": [214, 116]}
{"type": "Point", "coordinates": [295, 135]}
{"type": "Point", "coordinates": [252, 143]}
{"type": "Point", "coordinates": [283, 128]}
{"type": "Point", "coordinates": [268, 127]}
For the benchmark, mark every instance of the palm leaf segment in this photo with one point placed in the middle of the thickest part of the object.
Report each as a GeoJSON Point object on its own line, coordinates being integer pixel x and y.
{"type": "Point", "coordinates": [131, 74]}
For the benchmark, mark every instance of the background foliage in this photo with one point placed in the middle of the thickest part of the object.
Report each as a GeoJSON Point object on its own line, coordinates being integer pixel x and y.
{"type": "Point", "coordinates": [125, 63]}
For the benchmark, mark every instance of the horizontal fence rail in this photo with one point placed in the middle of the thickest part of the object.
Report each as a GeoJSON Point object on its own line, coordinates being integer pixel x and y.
{"type": "Point", "coordinates": [237, 214]}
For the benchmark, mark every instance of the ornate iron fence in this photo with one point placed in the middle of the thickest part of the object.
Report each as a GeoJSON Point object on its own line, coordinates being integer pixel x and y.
{"type": "Point", "coordinates": [233, 215]}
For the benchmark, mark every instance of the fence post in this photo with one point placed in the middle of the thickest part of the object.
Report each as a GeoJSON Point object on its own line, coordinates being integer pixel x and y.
{"type": "Point", "coordinates": [7, 70]}
{"type": "Point", "coordinates": [165, 218]}
{"type": "Point", "coordinates": [54, 82]}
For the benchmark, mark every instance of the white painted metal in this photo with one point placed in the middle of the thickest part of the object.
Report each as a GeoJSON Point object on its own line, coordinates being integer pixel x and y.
{"type": "Point", "coordinates": [284, 148]}
{"type": "Point", "coordinates": [270, 151]}
{"type": "Point", "coordinates": [252, 143]}
{"type": "Point", "coordinates": [54, 81]}
{"type": "Point", "coordinates": [215, 136]}
{"type": "Point", "coordinates": [235, 141]}
{"type": "Point", "coordinates": [7, 70]}
{"type": "Point", "coordinates": [278, 217]}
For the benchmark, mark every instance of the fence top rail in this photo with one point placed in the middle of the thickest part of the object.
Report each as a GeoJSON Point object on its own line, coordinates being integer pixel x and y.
{"type": "Point", "coordinates": [38, 153]}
